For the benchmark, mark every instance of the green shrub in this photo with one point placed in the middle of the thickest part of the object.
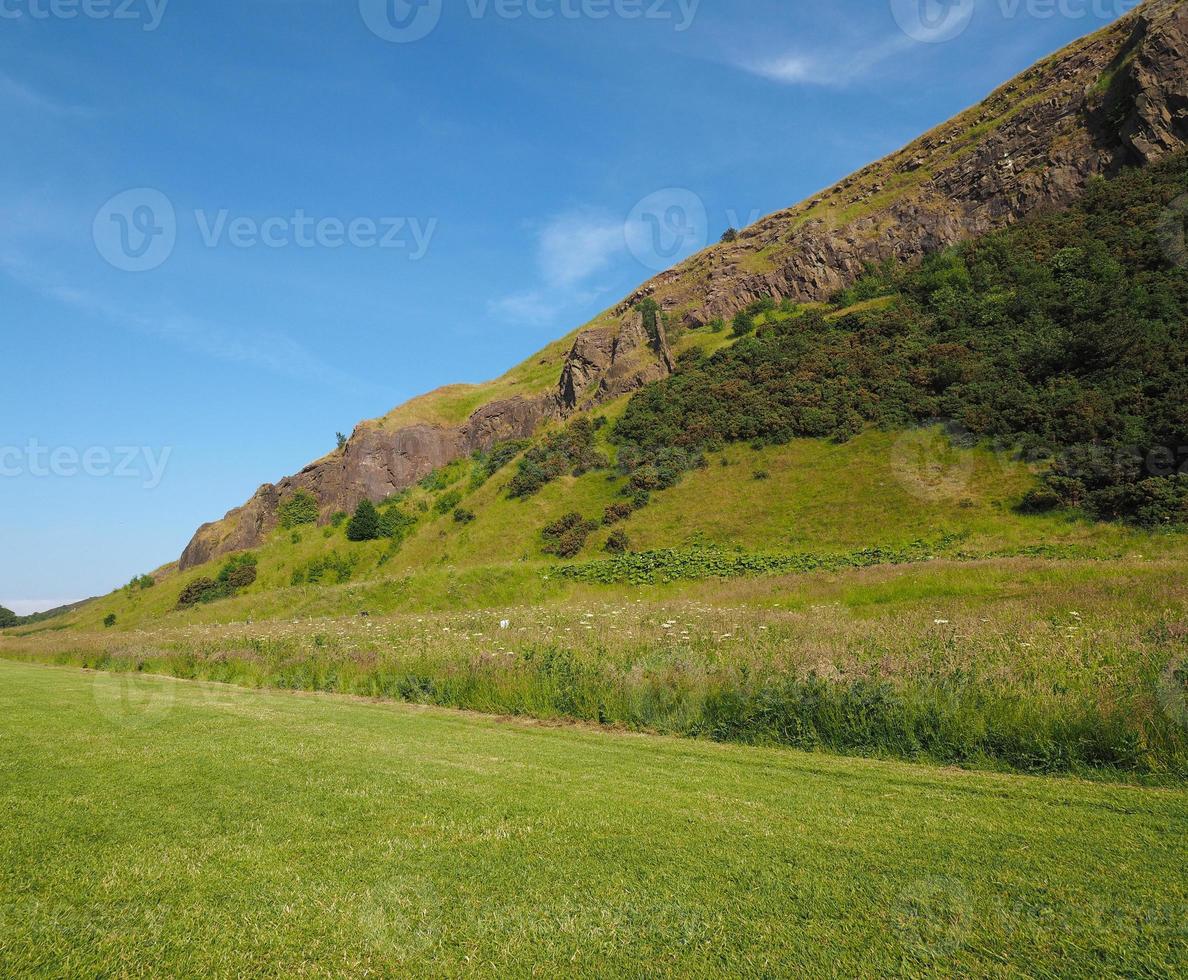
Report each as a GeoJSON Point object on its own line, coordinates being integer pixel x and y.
{"type": "Point", "coordinates": [571, 450]}
{"type": "Point", "coordinates": [109, 620]}
{"type": "Point", "coordinates": [333, 568]}
{"type": "Point", "coordinates": [464, 516]}
{"type": "Point", "coordinates": [742, 324]}
{"type": "Point", "coordinates": [616, 513]}
{"type": "Point", "coordinates": [202, 590]}
{"type": "Point", "coordinates": [338, 518]}
{"type": "Point", "coordinates": [487, 464]}
{"type": "Point", "coordinates": [566, 537]}
{"type": "Point", "coordinates": [394, 523]}
{"type": "Point", "coordinates": [301, 507]}
{"type": "Point", "coordinates": [618, 543]}
{"type": "Point", "coordinates": [447, 502]}
{"type": "Point", "coordinates": [7, 618]}
{"type": "Point", "coordinates": [365, 525]}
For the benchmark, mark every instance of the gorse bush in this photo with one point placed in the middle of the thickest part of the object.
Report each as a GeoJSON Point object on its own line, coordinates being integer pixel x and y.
{"type": "Point", "coordinates": [394, 523]}
{"type": "Point", "coordinates": [567, 536]}
{"type": "Point", "coordinates": [1066, 337]}
{"type": "Point", "coordinates": [329, 569]}
{"type": "Point", "coordinates": [300, 507]}
{"type": "Point", "coordinates": [618, 543]}
{"type": "Point", "coordinates": [238, 572]}
{"type": "Point", "coordinates": [570, 451]}
{"type": "Point", "coordinates": [487, 464]}
{"type": "Point", "coordinates": [448, 502]}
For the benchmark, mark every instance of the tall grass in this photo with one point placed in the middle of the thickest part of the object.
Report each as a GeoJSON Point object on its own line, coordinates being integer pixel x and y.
{"type": "Point", "coordinates": [1026, 689]}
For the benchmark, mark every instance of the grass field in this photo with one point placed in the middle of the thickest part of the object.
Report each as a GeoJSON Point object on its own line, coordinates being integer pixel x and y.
{"type": "Point", "coordinates": [160, 827]}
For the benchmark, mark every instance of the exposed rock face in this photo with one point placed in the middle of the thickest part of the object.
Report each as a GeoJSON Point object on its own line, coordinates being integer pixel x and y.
{"type": "Point", "coordinates": [612, 361]}
{"type": "Point", "coordinates": [1117, 98]}
{"type": "Point", "coordinates": [374, 464]}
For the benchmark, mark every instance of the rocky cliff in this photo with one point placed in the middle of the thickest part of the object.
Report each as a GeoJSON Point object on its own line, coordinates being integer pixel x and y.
{"type": "Point", "coordinates": [1117, 98]}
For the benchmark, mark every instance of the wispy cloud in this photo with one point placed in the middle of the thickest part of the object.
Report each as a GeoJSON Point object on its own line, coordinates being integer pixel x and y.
{"type": "Point", "coordinates": [835, 68]}
{"type": "Point", "coordinates": [18, 93]}
{"type": "Point", "coordinates": [576, 245]}
{"type": "Point", "coordinates": [571, 248]}
{"type": "Point", "coordinates": [531, 308]}
{"type": "Point", "coordinates": [268, 351]}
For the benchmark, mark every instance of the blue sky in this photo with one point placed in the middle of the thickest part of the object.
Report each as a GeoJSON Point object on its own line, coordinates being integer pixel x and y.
{"type": "Point", "coordinates": [472, 187]}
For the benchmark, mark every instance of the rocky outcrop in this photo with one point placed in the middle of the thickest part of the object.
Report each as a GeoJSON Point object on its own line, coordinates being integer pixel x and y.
{"type": "Point", "coordinates": [612, 361]}
{"type": "Point", "coordinates": [1117, 98]}
{"type": "Point", "coordinates": [373, 464]}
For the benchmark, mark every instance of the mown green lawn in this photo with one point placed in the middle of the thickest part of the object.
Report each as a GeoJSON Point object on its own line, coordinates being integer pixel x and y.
{"type": "Point", "coordinates": [159, 827]}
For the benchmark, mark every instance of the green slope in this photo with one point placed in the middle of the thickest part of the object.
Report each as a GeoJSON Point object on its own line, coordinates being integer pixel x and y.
{"type": "Point", "coordinates": [158, 827]}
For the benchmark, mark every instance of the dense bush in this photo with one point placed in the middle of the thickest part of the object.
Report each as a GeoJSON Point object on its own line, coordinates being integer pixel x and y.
{"type": "Point", "coordinates": [202, 590]}
{"type": "Point", "coordinates": [238, 572]}
{"type": "Point", "coordinates": [567, 537]}
{"type": "Point", "coordinates": [448, 502]}
{"type": "Point", "coordinates": [394, 523]}
{"type": "Point", "coordinates": [487, 464]}
{"type": "Point", "coordinates": [571, 450]}
{"type": "Point", "coordinates": [326, 568]}
{"type": "Point", "coordinates": [109, 620]}
{"type": "Point", "coordinates": [301, 507]}
{"type": "Point", "coordinates": [1065, 337]}
{"type": "Point", "coordinates": [618, 543]}
{"type": "Point", "coordinates": [464, 516]}
{"type": "Point", "coordinates": [365, 525]}
{"type": "Point", "coordinates": [7, 618]}
{"type": "Point", "coordinates": [616, 513]}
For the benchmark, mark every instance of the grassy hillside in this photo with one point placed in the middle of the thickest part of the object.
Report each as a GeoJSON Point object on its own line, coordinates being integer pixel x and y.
{"type": "Point", "coordinates": [207, 830]}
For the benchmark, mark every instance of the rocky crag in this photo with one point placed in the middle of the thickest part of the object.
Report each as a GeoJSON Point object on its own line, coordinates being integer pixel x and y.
{"type": "Point", "coordinates": [1116, 98]}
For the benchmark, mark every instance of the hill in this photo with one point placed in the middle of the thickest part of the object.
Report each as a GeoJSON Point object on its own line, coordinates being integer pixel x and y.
{"type": "Point", "coordinates": [1117, 98]}
{"type": "Point", "coordinates": [935, 514]}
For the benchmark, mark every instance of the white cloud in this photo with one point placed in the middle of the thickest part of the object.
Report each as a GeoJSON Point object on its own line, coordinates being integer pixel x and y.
{"type": "Point", "coordinates": [833, 69]}
{"type": "Point", "coordinates": [570, 248]}
{"type": "Point", "coordinates": [531, 308]}
{"type": "Point", "coordinates": [575, 245]}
